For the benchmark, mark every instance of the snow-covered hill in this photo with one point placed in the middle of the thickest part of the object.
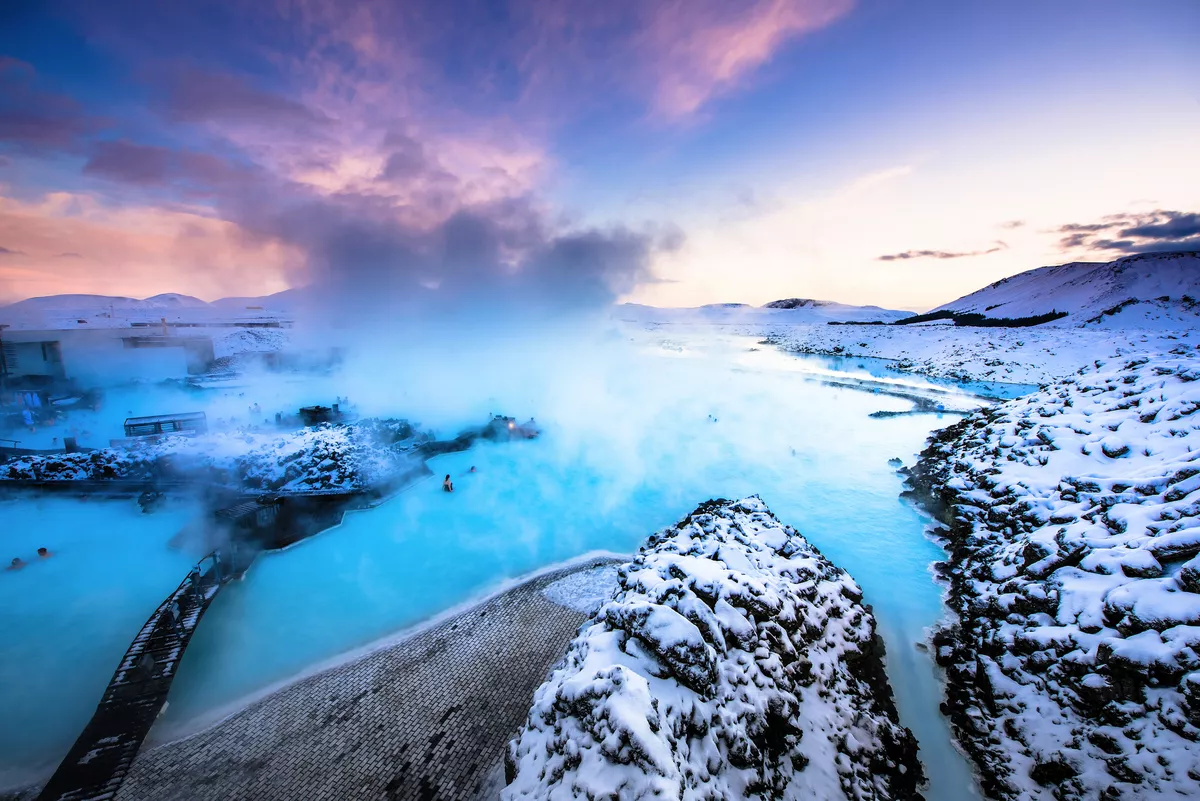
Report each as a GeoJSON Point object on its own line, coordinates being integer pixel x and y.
{"type": "Point", "coordinates": [1152, 290]}
{"type": "Point", "coordinates": [285, 301]}
{"type": "Point", "coordinates": [67, 312]}
{"type": "Point", "coordinates": [789, 311]}
{"type": "Point", "coordinates": [98, 303]}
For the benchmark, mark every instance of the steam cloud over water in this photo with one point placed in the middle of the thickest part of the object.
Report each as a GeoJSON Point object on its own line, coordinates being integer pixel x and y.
{"type": "Point", "coordinates": [481, 265]}
{"type": "Point", "coordinates": [462, 313]}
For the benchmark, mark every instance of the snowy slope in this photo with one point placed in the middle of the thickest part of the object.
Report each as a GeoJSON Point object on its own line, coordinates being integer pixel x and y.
{"type": "Point", "coordinates": [98, 303]}
{"type": "Point", "coordinates": [287, 300]}
{"type": "Point", "coordinates": [734, 661]}
{"type": "Point", "coordinates": [1017, 355]}
{"type": "Point", "coordinates": [792, 310]}
{"type": "Point", "coordinates": [73, 312]}
{"type": "Point", "coordinates": [1074, 531]}
{"type": "Point", "coordinates": [1157, 283]}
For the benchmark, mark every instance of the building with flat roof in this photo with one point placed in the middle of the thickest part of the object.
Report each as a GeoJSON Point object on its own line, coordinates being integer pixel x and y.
{"type": "Point", "coordinates": [99, 355]}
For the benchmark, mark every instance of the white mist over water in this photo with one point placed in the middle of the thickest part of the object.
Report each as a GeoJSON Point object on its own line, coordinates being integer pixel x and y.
{"type": "Point", "coordinates": [636, 435]}
{"type": "Point", "coordinates": [629, 448]}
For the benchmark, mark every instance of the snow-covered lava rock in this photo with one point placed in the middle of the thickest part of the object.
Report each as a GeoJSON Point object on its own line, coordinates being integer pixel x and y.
{"type": "Point", "coordinates": [1073, 522]}
{"type": "Point", "coordinates": [733, 661]}
{"type": "Point", "coordinates": [1034, 355]}
{"type": "Point", "coordinates": [327, 457]}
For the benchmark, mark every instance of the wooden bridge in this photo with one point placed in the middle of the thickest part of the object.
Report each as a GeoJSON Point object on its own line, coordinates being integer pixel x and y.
{"type": "Point", "coordinates": [98, 762]}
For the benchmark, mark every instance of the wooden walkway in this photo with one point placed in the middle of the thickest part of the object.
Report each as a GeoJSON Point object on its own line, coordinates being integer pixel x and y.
{"type": "Point", "coordinates": [96, 765]}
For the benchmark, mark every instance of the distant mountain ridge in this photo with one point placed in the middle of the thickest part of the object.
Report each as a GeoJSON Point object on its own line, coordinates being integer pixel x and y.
{"type": "Point", "coordinates": [75, 311]}
{"type": "Point", "coordinates": [789, 310]}
{"type": "Point", "coordinates": [797, 303]}
{"type": "Point", "coordinates": [1156, 290]}
{"type": "Point", "coordinates": [1151, 290]}
{"type": "Point", "coordinates": [168, 300]}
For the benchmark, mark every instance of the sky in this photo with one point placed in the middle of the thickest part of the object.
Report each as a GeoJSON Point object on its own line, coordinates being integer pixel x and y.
{"type": "Point", "coordinates": [900, 153]}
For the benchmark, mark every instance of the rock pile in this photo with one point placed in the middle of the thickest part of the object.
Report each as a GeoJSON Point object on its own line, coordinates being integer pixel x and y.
{"type": "Point", "coordinates": [1073, 522]}
{"type": "Point", "coordinates": [733, 661]}
{"type": "Point", "coordinates": [326, 457]}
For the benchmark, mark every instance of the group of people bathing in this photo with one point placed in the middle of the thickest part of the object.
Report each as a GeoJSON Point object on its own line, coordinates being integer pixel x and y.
{"type": "Point", "coordinates": [18, 563]}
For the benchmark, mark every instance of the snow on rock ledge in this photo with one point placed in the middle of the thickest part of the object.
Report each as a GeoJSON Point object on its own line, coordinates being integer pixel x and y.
{"type": "Point", "coordinates": [734, 661]}
{"type": "Point", "coordinates": [344, 456]}
{"type": "Point", "coordinates": [1073, 522]}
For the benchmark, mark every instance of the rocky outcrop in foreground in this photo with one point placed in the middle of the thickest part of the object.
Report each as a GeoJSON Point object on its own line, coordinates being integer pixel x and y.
{"type": "Point", "coordinates": [1073, 522]}
{"type": "Point", "coordinates": [733, 661]}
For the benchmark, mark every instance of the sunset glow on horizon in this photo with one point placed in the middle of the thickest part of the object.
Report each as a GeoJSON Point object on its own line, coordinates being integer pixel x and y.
{"type": "Point", "coordinates": [866, 151]}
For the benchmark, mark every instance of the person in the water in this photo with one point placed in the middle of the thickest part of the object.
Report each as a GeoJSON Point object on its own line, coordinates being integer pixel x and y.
{"type": "Point", "coordinates": [472, 470]}
{"type": "Point", "coordinates": [44, 554]}
{"type": "Point", "coordinates": [17, 564]}
{"type": "Point", "coordinates": [447, 484]}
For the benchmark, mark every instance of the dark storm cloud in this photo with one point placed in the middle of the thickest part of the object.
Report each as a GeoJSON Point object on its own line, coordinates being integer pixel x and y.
{"type": "Point", "coordinates": [1148, 232]}
{"type": "Point", "coordinates": [941, 254]}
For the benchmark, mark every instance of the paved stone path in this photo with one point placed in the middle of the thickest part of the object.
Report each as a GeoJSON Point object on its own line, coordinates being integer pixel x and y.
{"type": "Point", "coordinates": [427, 718]}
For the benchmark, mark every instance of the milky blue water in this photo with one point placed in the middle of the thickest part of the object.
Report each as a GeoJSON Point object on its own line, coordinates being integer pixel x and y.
{"type": "Point", "coordinates": [66, 620]}
{"type": "Point", "coordinates": [632, 448]}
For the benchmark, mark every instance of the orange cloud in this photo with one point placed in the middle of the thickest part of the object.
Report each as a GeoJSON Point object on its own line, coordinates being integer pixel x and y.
{"type": "Point", "coordinates": [70, 242]}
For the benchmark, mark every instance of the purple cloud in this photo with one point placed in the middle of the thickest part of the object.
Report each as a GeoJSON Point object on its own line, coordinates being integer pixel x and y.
{"type": "Point", "coordinates": [34, 120]}
{"type": "Point", "coordinates": [130, 163]}
{"type": "Point", "coordinates": [941, 254]}
{"type": "Point", "coordinates": [1159, 230]}
{"type": "Point", "coordinates": [194, 96]}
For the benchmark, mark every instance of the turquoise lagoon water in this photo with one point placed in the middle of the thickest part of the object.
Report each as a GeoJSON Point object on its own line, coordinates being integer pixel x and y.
{"type": "Point", "coordinates": [632, 449]}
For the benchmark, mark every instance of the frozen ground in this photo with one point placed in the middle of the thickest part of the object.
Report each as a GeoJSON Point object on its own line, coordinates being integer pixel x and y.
{"type": "Point", "coordinates": [1034, 355]}
{"type": "Point", "coordinates": [960, 354]}
{"type": "Point", "coordinates": [733, 660]}
{"type": "Point", "coordinates": [67, 620]}
{"type": "Point", "coordinates": [1074, 521]}
{"type": "Point", "coordinates": [585, 590]}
